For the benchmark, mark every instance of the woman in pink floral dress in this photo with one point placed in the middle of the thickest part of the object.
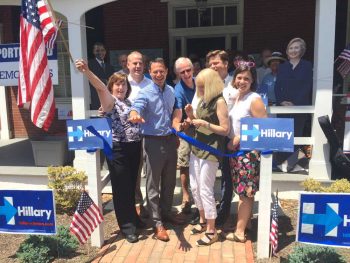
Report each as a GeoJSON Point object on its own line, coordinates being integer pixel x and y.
{"type": "Point", "coordinates": [245, 168]}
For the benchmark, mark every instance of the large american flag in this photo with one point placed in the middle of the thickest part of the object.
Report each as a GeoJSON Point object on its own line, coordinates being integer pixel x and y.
{"type": "Point", "coordinates": [274, 226]}
{"type": "Point", "coordinates": [86, 218]}
{"type": "Point", "coordinates": [35, 85]}
{"type": "Point", "coordinates": [344, 66]}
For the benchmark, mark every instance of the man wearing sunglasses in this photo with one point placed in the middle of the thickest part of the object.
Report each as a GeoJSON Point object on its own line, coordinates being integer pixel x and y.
{"type": "Point", "coordinates": [184, 92]}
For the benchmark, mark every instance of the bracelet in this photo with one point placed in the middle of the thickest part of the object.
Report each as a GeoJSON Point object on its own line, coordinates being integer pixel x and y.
{"type": "Point", "coordinates": [208, 125]}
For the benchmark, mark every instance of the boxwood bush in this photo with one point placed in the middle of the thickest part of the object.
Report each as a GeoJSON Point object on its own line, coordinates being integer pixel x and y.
{"type": "Point", "coordinates": [314, 254]}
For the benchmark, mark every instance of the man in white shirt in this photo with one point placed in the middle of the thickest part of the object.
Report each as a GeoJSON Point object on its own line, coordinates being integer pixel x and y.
{"type": "Point", "coordinates": [138, 81]}
{"type": "Point", "coordinates": [218, 60]}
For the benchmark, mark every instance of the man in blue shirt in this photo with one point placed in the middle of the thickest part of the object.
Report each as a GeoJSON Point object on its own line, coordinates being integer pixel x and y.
{"type": "Point", "coordinates": [184, 93]}
{"type": "Point", "coordinates": [153, 108]}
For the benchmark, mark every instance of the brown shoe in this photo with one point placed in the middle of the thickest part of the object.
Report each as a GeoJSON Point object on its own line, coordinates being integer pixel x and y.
{"type": "Point", "coordinates": [175, 219]}
{"type": "Point", "coordinates": [161, 234]}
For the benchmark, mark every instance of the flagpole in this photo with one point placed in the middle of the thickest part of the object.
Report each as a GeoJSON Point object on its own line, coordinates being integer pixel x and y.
{"type": "Point", "coordinates": [60, 32]}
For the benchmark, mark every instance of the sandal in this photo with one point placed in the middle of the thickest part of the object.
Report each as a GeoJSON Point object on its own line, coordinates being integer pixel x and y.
{"type": "Point", "coordinates": [235, 238]}
{"type": "Point", "coordinates": [199, 228]}
{"type": "Point", "coordinates": [212, 237]}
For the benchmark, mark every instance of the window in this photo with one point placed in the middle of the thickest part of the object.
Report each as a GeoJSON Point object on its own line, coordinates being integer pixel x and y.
{"type": "Point", "coordinates": [63, 89]}
{"type": "Point", "coordinates": [212, 16]}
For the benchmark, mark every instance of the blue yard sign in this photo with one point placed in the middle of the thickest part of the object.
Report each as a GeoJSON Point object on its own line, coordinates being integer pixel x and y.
{"type": "Point", "coordinates": [267, 134]}
{"type": "Point", "coordinates": [90, 134]}
{"type": "Point", "coordinates": [324, 219]}
{"type": "Point", "coordinates": [27, 212]}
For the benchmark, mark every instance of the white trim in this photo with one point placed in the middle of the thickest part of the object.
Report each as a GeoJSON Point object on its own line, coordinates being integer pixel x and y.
{"type": "Point", "coordinates": [203, 32]}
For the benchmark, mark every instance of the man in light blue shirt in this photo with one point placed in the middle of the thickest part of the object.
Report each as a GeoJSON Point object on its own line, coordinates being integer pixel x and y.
{"type": "Point", "coordinates": [153, 108]}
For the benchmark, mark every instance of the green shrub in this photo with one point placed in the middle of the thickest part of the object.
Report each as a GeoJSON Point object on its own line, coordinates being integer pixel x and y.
{"type": "Point", "coordinates": [339, 186]}
{"type": "Point", "coordinates": [43, 249]}
{"type": "Point", "coordinates": [314, 254]}
{"type": "Point", "coordinates": [34, 250]}
{"type": "Point", "coordinates": [68, 184]}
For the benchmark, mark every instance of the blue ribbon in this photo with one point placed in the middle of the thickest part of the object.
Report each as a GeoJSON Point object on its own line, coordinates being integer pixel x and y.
{"type": "Point", "coordinates": [107, 150]}
{"type": "Point", "coordinates": [209, 148]}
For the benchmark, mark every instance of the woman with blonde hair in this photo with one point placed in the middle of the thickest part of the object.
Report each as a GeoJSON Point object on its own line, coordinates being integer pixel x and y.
{"type": "Point", "coordinates": [212, 125]}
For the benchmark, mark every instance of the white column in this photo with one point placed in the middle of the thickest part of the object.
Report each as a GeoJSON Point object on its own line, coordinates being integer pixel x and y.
{"type": "Point", "coordinates": [323, 84]}
{"type": "Point", "coordinates": [5, 129]}
{"type": "Point", "coordinates": [264, 206]}
{"type": "Point", "coordinates": [88, 162]}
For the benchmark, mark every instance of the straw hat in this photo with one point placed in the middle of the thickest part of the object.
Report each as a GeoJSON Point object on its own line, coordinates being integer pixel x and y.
{"type": "Point", "coordinates": [275, 56]}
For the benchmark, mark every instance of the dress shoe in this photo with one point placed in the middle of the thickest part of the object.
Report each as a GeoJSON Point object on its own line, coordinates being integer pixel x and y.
{"type": "Point", "coordinates": [141, 224]}
{"type": "Point", "coordinates": [174, 219]}
{"type": "Point", "coordinates": [131, 238]}
{"type": "Point", "coordinates": [161, 234]}
{"type": "Point", "coordinates": [186, 207]}
{"type": "Point", "coordinates": [195, 219]}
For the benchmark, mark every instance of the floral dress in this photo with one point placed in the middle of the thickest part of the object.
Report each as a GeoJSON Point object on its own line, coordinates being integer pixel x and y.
{"type": "Point", "coordinates": [245, 173]}
{"type": "Point", "coordinates": [245, 169]}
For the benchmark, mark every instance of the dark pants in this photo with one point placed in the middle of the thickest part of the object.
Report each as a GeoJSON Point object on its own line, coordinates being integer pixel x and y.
{"type": "Point", "coordinates": [226, 187]}
{"type": "Point", "coordinates": [123, 172]}
{"type": "Point", "coordinates": [161, 158]}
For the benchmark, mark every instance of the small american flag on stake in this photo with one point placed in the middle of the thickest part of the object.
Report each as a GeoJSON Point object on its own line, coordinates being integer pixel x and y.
{"type": "Point", "coordinates": [344, 67]}
{"type": "Point", "coordinates": [274, 226]}
{"type": "Point", "coordinates": [86, 218]}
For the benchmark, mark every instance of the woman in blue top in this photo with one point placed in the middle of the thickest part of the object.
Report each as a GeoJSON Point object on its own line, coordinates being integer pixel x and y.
{"type": "Point", "coordinates": [123, 168]}
{"type": "Point", "coordinates": [294, 83]}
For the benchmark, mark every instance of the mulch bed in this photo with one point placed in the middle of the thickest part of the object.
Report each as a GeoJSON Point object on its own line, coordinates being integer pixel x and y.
{"type": "Point", "coordinates": [287, 229]}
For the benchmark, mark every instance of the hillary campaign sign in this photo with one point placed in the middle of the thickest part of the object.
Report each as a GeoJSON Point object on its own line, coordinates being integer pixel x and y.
{"type": "Point", "coordinates": [324, 219]}
{"type": "Point", "coordinates": [9, 64]}
{"type": "Point", "coordinates": [267, 134]}
{"type": "Point", "coordinates": [27, 212]}
{"type": "Point", "coordinates": [89, 134]}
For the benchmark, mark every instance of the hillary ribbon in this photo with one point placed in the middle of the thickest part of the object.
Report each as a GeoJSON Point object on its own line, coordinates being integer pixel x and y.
{"type": "Point", "coordinates": [209, 148]}
{"type": "Point", "coordinates": [107, 150]}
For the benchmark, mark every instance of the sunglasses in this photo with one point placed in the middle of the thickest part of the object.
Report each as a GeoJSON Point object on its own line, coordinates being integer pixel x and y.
{"type": "Point", "coordinates": [186, 70]}
{"type": "Point", "coordinates": [242, 63]}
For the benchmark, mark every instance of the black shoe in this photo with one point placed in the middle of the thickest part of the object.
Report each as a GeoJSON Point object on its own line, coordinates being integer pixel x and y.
{"type": "Point", "coordinates": [140, 224]}
{"type": "Point", "coordinates": [195, 218]}
{"type": "Point", "coordinates": [132, 238]}
{"type": "Point", "coordinates": [220, 220]}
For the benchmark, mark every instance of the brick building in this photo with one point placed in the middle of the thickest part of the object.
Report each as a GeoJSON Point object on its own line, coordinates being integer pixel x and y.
{"type": "Point", "coordinates": [172, 28]}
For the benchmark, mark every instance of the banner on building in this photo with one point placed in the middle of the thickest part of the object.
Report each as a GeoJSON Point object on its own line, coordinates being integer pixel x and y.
{"type": "Point", "coordinates": [9, 65]}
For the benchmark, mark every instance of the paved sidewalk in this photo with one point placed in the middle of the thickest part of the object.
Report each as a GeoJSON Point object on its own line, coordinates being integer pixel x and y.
{"type": "Point", "coordinates": [181, 248]}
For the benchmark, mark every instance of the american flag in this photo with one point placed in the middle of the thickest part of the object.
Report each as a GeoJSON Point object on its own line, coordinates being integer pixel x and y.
{"type": "Point", "coordinates": [274, 226]}
{"type": "Point", "coordinates": [35, 85]}
{"type": "Point", "coordinates": [86, 218]}
{"type": "Point", "coordinates": [344, 67]}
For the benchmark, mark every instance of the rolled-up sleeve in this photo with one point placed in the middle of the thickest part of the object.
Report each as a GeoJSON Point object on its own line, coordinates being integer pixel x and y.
{"type": "Point", "coordinates": [140, 102]}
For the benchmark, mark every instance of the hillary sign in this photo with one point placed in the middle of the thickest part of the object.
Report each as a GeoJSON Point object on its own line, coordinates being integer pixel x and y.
{"type": "Point", "coordinates": [9, 64]}
{"type": "Point", "coordinates": [89, 134]}
{"type": "Point", "coordinates": [27, 212]}
{"type": "Point", "coordinates": [267, 134]}
{"type": "Point", "coordinates": [324, 219]}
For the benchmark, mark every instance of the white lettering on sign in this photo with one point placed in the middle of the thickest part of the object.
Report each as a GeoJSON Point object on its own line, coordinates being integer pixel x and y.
{"type": "Point", "coordinates": [105, 133]}
{"type": "Point", "coordinates": [30, 211]}
{"type": "Point", "coordinates": [9, 52]}
{"type": "Point", "coordinates": [272, 133]}
{"type": "Point", "coordinates": [346, 220]}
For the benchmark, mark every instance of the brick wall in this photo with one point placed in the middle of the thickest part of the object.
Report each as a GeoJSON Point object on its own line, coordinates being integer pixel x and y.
{"type": "Point", "coordinates": [273, 23]}
{"type": "Point", "coordinates": [136, 24]}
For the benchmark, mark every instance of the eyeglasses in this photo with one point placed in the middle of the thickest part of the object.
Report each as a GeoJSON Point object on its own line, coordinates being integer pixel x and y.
{"type": "Point", "coordinates": [186, 70]}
